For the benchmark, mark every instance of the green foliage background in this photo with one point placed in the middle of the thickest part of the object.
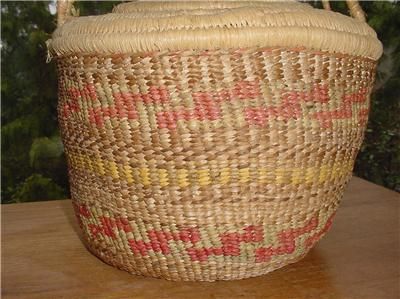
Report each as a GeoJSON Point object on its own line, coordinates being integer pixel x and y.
{"type": "Point", "coordinates": [33, 162]}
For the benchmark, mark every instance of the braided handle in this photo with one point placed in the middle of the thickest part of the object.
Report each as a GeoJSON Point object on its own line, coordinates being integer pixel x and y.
{"type": "Point", "coordinates": [354, 7]}
{"type": "Point", "coordinates": [65, 10]}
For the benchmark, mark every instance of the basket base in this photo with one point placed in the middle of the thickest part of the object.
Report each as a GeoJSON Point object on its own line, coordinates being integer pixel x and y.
{"type": "Point", "coordinates": [211, 274]}
{"type": "Point", "coordinates": [202, 253]}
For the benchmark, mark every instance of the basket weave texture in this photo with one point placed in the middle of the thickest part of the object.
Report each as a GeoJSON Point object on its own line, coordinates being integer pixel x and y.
{"type": "Point", "coordinates": [210, 164]}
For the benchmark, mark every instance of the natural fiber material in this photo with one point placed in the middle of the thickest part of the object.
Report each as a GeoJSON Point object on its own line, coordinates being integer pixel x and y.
{"type": "Point", "coordinates": [210, 164]}
{"type": "Point", "coordinates": [143, 27]}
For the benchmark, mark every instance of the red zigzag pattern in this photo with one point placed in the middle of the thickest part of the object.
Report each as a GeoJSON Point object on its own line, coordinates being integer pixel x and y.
{"type": "Point", "coordinates": [208, 105]}
{"type": "Point", "coordinates": [231, 242]}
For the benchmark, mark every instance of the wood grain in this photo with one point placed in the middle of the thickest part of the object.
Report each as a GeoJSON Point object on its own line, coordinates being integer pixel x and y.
{"type": "Point", "coordinates": [43, 257]}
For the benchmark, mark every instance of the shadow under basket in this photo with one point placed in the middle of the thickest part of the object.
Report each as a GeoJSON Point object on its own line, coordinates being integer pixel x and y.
{"type": "Point", "coordinates": [210, 140]}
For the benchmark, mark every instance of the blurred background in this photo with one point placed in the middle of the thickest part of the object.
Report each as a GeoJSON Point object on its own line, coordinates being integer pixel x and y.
{"type": "Point", "coordinates": [32, 158]}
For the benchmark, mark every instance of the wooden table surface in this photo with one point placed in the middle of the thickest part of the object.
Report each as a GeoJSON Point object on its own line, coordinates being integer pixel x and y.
{"type": "Point", "coordinates": [43, 257]}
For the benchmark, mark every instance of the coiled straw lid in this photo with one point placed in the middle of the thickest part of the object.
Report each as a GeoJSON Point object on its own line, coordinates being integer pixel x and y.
{"type": "Point", "coordinates": [146, 26]}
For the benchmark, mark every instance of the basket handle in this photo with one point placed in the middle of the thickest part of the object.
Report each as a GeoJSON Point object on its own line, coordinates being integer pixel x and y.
{"type": "Point", "coordinates": [65, 10]}
{"type": "Point", "coordinates": [354, 6]}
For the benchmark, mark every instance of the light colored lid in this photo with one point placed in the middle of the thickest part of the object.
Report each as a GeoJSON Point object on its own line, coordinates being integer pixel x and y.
{"type": "Point", "coordinates": [148, 26]}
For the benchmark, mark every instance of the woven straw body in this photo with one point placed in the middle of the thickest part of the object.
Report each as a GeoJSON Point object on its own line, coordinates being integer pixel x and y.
{"type": "Point", "coordinates": [210, 164]}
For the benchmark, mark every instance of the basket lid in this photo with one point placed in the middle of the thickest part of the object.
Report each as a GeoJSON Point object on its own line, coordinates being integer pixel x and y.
{"type": "Point", "coordinates": [146, 26]}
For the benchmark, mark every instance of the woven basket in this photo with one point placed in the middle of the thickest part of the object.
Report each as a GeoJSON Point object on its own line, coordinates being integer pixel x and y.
{"type": "Point", "coordinates": [211, 140]}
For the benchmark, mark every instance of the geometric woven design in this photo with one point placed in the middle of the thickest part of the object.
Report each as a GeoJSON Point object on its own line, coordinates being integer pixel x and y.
{"type": "Point", "coordinates": [208, 165]}
{"type": "Point", "coordinates": [232, 243]}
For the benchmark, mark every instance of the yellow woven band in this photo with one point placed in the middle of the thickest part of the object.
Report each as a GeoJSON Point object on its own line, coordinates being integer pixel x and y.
{"type": "Point", "coordinates": [209, 173]}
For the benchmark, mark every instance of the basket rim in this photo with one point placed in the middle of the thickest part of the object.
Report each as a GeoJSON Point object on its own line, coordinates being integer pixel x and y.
{"type": "Point", "coordinates": [266, 24]}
